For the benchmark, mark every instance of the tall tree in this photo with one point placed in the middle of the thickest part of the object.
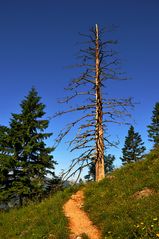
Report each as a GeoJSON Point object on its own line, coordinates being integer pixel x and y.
{"type": "Point", "coordinates": [153, 129]}
{"type": "Point", "coordinates": [108, 167]}
{"type": "Point", "coordinates": [100, 63]}
{"type": "Point", "coordinates": [32, 158]}
{"type": "Point", "coordinates": [134, 147]}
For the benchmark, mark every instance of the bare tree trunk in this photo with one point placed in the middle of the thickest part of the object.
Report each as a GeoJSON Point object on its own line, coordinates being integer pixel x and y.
{"type": "Point", "coordinates": [99, 118]}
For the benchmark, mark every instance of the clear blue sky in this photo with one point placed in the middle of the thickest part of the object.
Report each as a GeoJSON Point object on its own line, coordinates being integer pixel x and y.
{"type": "Point", "coordinates": [38, 39]}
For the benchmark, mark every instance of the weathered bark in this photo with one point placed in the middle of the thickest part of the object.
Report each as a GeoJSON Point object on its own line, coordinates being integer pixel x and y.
{"type": "Point", "coordinates": [99, 118]}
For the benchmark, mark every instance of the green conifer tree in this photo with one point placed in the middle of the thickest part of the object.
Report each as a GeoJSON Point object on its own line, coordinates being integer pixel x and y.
{"type": "Point", "coordinates": [32, 159]}
{"type": "Point", "coordinates": [6, 164]}
{"type": "Point", "coordinates": [153, 129]}
{"type": "Point", "coordinates": [134, 147]}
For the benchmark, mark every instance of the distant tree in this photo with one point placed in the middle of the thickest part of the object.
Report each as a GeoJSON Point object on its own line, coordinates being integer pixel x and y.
{"type": "Point", "coordinates": [134, 147]}
{"type": "Point", "coordinates": [6, 164]}
{"type": "Point", "coordinates": [32, 158]}
{"type": "Point", "coordinates": [52, 185]}
{"type": "Point", "coordinates": [153, 129]}
{"type": "Point", "coordinates": [99, 63]}
{"type": "Point", "coordinates": [108, 167]}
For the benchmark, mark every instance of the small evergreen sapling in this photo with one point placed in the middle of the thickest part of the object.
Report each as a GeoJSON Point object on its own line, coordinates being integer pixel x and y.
{"type": "Point", "coordinates": [134, 147]}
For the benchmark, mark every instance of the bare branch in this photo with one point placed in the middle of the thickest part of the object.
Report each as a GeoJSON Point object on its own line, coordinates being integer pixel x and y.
{"type": "Point", "coordinates": [83, 107]}
{"type": "Point", "coordinates": [83, 157]}
{"type": "Point", "coordinates": [67, 99]}
{"type": "Point", "coordinates": [80, 168]}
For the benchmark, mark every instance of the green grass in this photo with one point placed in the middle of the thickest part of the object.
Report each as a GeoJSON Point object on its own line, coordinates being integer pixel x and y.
{"type": "Point", "coordinates": [42, 220]}
{"type": "Point", "coordinates": [112, 207]}
{"type": "Point", "coordinates": [110, 204]}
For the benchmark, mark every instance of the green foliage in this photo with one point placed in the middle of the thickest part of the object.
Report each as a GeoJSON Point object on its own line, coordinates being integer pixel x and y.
{"type": "Point", "coordinates": [113, 207]}
{"type": "Point", "coordinates": [6, 163]}
{"type": "Point", "coordinates": [108, 167]}
{"type": "Point", "coordinates": [154, 153]}
{"type": "Point", "coordinates": [133, 149]}
{"type": "Point", "coordinates": [153, 129]}
{"type": "Point", "coordinates": [43, 220]}
{"type": "Point", "coordinates": [31, 158]}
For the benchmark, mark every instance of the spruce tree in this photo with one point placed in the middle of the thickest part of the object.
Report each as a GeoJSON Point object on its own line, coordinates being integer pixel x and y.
{"type": "Point", "coordinates": [32, 158]}
{"type": "Point", "coordinates": [153, 129]}
{"type": "Point", "coordinates": [6, 164]}
{"type": "Point", "coordinates": [134, 147]}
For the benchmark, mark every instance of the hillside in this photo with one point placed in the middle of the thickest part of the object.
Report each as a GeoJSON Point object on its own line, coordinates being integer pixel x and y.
{"type": "Point", "coordinates": [124, 205]}
{"type": "Point", "coordinates": [42, 220]}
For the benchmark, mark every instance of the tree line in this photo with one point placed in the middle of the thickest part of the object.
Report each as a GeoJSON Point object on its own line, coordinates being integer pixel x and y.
{"type": "Point", "coordinates": [25, 160]}
{"type": "Point", "coordinates": [134, 149]}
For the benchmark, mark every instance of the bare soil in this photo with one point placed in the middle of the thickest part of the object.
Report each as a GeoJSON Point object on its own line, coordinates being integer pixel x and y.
{"type": "Point", "coordinates": [144, 193]}
{"type": "Point", "coordinates": [79, 222]}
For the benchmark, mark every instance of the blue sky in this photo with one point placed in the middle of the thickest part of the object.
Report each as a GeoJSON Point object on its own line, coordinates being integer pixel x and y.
{"type": "Point", "coordinates": [38, 39]}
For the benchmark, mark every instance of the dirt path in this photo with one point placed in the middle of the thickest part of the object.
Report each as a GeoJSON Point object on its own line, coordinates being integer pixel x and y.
{"type": "Point", "coordinates": [79, 222]}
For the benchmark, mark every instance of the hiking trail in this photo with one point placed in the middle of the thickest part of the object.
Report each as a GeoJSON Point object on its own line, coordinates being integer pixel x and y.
{"type": "Point", "coordinates": [79, 222]}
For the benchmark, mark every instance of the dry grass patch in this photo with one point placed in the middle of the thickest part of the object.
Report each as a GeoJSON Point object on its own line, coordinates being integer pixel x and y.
{"type": "Point", "coordinates": [146, 192]}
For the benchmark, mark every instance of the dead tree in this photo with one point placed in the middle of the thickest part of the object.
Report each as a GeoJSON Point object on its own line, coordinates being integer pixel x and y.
{"type": "Point", "coordinates": [99, 114]}
{"type": "Point", "coordinates": [100, 63]}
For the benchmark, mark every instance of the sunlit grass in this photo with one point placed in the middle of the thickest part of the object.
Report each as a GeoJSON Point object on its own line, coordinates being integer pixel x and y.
{"type": "Point", "coordinates": [112, 206]}
{"type": "Point", "coordinates": [41, 220]}
{"type": "Point", "coordinates": [110, 203]}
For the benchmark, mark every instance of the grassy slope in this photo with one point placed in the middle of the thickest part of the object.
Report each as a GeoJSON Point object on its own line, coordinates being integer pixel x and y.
{"type": "Point", "coordinates": [42, 220]}
{"type": "Point", "coordinates": [113, 208]}
{"type": "Point", "coordinates": [110, 204]}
